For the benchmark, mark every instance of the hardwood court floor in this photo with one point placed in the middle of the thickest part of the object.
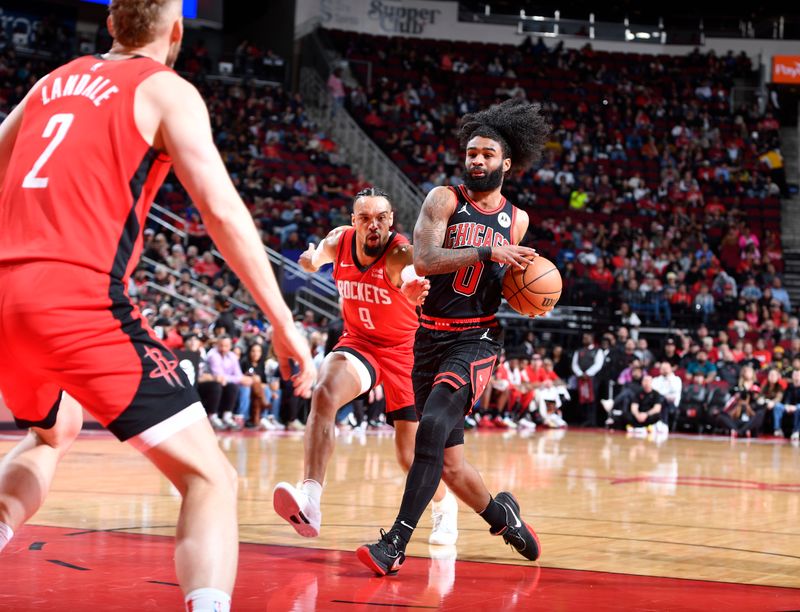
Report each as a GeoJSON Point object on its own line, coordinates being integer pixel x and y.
{"type": "Point", "coordinates": [685, 523]}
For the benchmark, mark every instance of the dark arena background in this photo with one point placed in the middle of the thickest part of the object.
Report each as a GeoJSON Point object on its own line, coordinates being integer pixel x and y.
{"type": "Point", "coordinates": [667, 195]}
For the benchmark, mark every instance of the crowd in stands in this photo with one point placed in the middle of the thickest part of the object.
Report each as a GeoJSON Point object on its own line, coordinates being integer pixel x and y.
{"type": "Point", "coordinates": [654, 196]}
{"type": "Point", "coordinates": [702, 382]}
{"type": "Point", "coordinates": [645, 199]}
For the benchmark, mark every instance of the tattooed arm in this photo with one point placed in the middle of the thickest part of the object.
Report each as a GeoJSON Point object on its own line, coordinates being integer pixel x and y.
{"type": "Point", "coordinates": [429, 256]}
{"type": "Point", "coordinates": [429, 233]}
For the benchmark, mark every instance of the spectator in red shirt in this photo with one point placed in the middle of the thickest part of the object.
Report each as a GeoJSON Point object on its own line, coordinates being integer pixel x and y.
{"type": "Point", "coordinates": [762, 353]}
{"type": "Point", "coordinates": [601, 275]}
{"type": "Point", "coordinates": [206, 266]}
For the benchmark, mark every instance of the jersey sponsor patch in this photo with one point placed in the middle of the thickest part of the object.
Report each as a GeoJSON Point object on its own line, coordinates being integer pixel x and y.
{"type": "Point", "coordinates": [504, 220]}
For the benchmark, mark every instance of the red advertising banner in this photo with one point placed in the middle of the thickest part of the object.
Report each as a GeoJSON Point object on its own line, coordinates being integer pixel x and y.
{"type": "Point", "coordinates": [786, 68]}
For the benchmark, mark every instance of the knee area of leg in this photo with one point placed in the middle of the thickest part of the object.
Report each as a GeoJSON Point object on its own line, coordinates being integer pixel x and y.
{"type": "Point", "coordinates": [224, 478]}
{"type": "Point", "coordinates": [62, 435]}
{"type": "Point", "coordinates": [405, 456]}
{"type": "Point", "coordinates": [451, 469]}
{"type": "Point", "coordinates": [322, 399]}
{"type": "Point", "coordinates": [432, 437]}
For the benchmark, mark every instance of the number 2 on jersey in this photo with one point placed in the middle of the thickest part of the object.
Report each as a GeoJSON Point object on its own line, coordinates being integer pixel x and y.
{"type": "Point", "coordinates": [366, 318]}
{"type": "Point", "coordinates": [63, 121]}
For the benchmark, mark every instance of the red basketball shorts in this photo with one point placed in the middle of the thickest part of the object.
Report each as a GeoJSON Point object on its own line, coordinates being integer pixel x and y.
{"type": "Point", "coordinates": [390, 367]}
{"type": "Point", "coordinates": [67, 328]}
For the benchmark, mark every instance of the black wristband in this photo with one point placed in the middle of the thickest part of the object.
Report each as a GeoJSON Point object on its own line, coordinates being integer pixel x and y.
{"type": "Point", "coordinates": [484, 253]}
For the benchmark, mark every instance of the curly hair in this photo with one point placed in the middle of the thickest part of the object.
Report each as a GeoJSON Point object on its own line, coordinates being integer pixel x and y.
{"type": "Point", "coordinates": [519, 127]}
{"type": "Point", "coordinates": [136, 21]}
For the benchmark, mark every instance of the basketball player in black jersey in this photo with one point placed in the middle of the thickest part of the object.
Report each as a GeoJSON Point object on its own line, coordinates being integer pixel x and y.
{"type": "Point", "coordinates": [463, 241]}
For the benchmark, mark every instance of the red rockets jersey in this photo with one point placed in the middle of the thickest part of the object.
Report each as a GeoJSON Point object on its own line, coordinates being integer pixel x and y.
{"type": "Point", "coordinates": [81, 178]}
{"type": "Point", "coordinates": [373, 308]}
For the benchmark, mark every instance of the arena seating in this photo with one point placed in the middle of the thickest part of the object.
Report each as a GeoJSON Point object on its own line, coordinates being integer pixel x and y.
{"type": "Point", "coordinates": [665, 162]}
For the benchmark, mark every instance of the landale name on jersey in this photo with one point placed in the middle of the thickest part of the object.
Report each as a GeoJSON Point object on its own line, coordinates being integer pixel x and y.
{"type": "Point", "coordinates": [471, 234]}
{"type": "Point", "coordinates": [363, 292]}
{"type": "Point", "coordinates": [98, 90]}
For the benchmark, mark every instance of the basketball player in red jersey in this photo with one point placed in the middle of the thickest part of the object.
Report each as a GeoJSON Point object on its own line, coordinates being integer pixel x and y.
{"type": "Point", "coordinates": [463, 240]}
{"type": "Point", "coordinates": [81, 159]}
{"type": "Point", "coordinates": [370, 263]}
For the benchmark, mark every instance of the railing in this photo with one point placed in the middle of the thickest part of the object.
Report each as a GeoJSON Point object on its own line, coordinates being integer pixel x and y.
{"type": "Point", "coordinates": [318, 291]}
{"type": "Point", "coordinates": [361, 151]}
{"type": "Point", "coordinates": [182, 298]}
{"type": "Point", "coordinates": [176, 274]}
{"type": "Point", "coordinates": [283, 264]}
{"type": "Point", "coordinates": [320, 304]}
{"type": "Point", "coordinates": [685, 30]}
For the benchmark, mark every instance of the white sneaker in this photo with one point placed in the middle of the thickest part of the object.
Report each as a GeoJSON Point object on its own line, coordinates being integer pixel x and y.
{"type": "Point", "coordinates": [661, 428]}
{"type": "Point", "coordinates": [228, 421]}
{"type": "Point", "coordinates": [527, 424]}
{"type": "Point", "coordinates": [216, 422]}
{"type": "Point", "coordinates": [296, 425]}
{"type": "Point", "coordinates": [511, 423]}
{"type": "Point", "coordinates": [266, 424]}
{"type": "Point", "coordinates": [445, 521]}
{"type": "Point", "coordinates": [795, 436]}
{"type": "Point", "coordinates": [298, 509]}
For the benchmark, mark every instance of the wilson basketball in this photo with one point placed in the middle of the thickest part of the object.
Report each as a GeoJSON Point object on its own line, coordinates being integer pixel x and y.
{"type": "Point", "coordinates": [534, 290]}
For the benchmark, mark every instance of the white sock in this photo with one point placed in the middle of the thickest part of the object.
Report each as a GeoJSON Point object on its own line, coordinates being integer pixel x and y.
{"type": "Point", "coordinates": [313, 489]}
{"type": "Point", "coordinates": [6, 533]}
{"type": "Point", "coordinates": [208, 600]}
{"type": "Point", "coordinates": [447, 499]}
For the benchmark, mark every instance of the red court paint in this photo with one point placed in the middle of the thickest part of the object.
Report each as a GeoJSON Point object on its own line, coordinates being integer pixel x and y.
{"type": "Point", "coordinates": [46, 568]}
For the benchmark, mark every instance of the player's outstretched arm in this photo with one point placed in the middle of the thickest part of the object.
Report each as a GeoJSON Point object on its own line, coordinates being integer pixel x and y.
{"type": "Point", "coordinates": [185, 134]}
{"type": "Point", "coordinates": [324, 253]}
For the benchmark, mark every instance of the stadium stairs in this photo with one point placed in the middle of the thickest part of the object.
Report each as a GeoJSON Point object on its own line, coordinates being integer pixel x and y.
{"type": "Point", "coordinates": [361, 152]}
{"type": "Point", "coordinates": [790, 214]}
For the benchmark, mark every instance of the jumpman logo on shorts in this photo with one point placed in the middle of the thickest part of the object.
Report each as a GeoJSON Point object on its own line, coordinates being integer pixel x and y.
{"type": "Point", "coordinates": [165, 368]}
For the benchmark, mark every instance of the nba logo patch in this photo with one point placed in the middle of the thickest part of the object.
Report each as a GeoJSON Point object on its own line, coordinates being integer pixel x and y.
{"type": "Point", "coordinates": [504, 220]}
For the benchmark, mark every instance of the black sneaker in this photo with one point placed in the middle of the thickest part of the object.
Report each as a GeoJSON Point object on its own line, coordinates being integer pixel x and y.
{"type": "Point", "coordinates": [385, 557]}
{"type": "Point", "coordinates": [517, 532]}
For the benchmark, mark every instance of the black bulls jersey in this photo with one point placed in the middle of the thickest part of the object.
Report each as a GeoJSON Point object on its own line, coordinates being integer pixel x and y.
{"type": "Point", "coordinates": [474, 291]}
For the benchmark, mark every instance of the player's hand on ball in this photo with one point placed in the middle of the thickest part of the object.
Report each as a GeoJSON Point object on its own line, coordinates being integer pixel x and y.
{"type": "Point", "coordinates": [290, 344]}
{"type": "Point", "coordinates": [416, 290]}
{"type": "Point", "coordinates": [306, 259]}
{"type": "Point", "coordinates": [513, 255]}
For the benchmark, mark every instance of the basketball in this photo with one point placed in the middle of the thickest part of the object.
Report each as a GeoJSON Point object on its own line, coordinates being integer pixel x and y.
{"type": "Point", "coordinates": [534, 290]}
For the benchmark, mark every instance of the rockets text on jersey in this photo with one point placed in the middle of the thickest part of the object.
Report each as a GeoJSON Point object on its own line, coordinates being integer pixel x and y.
{"type": "Point", "coordinates": [373, 308]}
